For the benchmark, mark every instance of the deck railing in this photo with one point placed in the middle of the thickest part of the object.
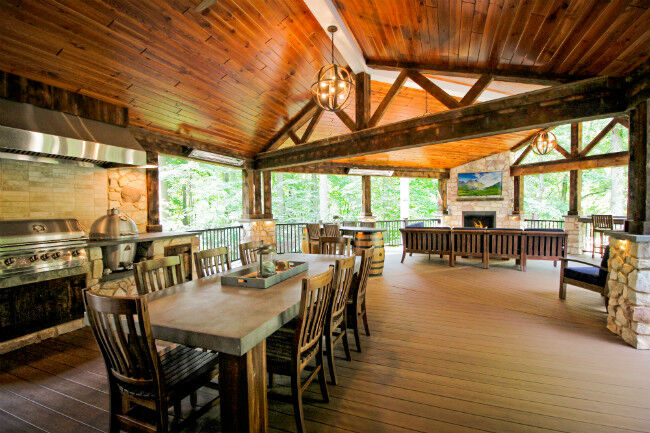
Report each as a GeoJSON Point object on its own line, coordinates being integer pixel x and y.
{"type": "Point", "coordinates": [288, 237]}
{"type": "Point", "coordinates": [221, 237]}
{"type": "Point", "coordinates": [544, 224]}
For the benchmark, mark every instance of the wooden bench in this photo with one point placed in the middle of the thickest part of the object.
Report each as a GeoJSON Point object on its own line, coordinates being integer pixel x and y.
{"type": "Point", "coordinates": [486, 244]}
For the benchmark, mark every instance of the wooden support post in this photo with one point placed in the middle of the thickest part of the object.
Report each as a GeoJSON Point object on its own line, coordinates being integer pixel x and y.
{"type": "Point", "coordinates": [251, 194]}
{"type": "Point", "coordinates": [442, 189]}
{"type": "Point", "coordinates": [638, 197]}
{"type": "Point", "coordinates": [366, 196]}
{"type": "Point", "coordinates": [362, 94]}
{"type": "Point", "coordinates": [267, 210]}
{"type": "Point", "coordinates": [575, 176]}
{"type": "Point", "coordinates": [153, 199]}
{"type": "Point", "coordinates": [518, 202]}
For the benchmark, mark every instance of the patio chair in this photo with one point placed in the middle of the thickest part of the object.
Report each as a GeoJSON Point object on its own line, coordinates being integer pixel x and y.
{"type": "Point", "coordinates": [291, 349]}
{"type": "Point", "coordinates": [139, 377]}
{"type": "Point", "coordinates": [600, 224]}
{"type": "Point", "coordinates": [356, 308]}
{"type": "Point", "coordinates": [247, 252]}
{"type": "Point", "coordinates": [334, 245]}
{"type": "Point", "coordinates": [158, 274]}
{"type": "Point", "coordinates": [336, 329]}
{"type": "Point", "coordinates": [313, 235]}
{"type": "Point", "coordinates": [212, 262]}
{"type": "Point", "coordinates": [591, 277]}
{"type": "Point", "coordinates": [331, 230]}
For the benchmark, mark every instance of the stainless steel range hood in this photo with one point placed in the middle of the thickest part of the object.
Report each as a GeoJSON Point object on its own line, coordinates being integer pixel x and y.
{"type": "Point", "coordinates": [29, 130]}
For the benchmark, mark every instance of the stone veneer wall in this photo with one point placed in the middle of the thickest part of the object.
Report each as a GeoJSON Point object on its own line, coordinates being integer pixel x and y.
{"type": "Point", "coordinates": [628, 309]}
{"type": "Point", "coordinates": [259, 230]}
{"type": "Point", "coordinates": [127, 191]}
{"type": "Point", "coordinates": [42, 190]}
{"type": "Point", "coordinates": [499, 162]}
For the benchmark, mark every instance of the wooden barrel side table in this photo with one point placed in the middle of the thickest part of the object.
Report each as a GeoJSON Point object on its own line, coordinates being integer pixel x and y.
{"type": "Point", "coordinates": [366, 237]}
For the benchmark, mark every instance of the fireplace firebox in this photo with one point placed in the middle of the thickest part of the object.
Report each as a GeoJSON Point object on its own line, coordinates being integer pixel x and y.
{"type": "Point", "coordinates": [483, 219]}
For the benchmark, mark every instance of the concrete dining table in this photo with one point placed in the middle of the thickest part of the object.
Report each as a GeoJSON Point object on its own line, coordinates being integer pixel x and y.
{"type": "Point", "coordinates": [234, 321]}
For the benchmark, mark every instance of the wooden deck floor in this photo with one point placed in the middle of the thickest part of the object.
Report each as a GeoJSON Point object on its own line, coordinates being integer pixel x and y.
{"type": "Point", "coordinates": [453, 350]}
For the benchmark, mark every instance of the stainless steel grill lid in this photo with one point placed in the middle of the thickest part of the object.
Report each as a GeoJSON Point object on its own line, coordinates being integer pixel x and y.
{"type": "Point", "coordinates": [113, 225]}
{"type": "Point", "coordinates": [39, 230]}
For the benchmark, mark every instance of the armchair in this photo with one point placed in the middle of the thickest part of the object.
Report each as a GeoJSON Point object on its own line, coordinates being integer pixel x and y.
{"type": "Point", "coordinates": [591, 277]}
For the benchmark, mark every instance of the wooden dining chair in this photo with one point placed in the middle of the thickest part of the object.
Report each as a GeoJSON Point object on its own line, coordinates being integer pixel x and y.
{"type": "Point", "coordinates": [356, 308]}
{"type": "Point", "coordinates": [331, 230]}
{"type": "Point", "coordinates": [138, 375]}
{"type": "Point", "coordinates": [247, 252]}
{"type": "Point", "coordinates": [334, 245]}
{"type": "Point", "coordinates": [336, 329]}
{"type": "Point", "coordinates": [212, 262]}
{"type": "Point", "coordinates": [600, 224]}
{"type": "Point", "coordinates": [291, 349]}
{"type": "Point", "coordinates": [313, 235]}
{"type": "Point", "coordinates": [158, 274]}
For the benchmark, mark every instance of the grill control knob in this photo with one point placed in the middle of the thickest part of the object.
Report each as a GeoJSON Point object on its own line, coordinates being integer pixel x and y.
{"type": "Point", "coordinates": [10, 261]}
{"type": "Point", "coordinates": [33, 258]}
{"type": "Point", "coordinates": [45, 256]}
{"type": "Point", "coordinates": [56, 255]}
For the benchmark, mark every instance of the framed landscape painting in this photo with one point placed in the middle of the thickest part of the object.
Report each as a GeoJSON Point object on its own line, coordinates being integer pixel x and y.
{"type": "Point", "coordinates": [479, 184]}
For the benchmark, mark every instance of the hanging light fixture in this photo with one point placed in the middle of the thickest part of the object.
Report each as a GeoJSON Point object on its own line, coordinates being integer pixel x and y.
{"type": "Point", "coordinates": [544, 143]}
{"type": "Point", "coordinates": [333, 83]}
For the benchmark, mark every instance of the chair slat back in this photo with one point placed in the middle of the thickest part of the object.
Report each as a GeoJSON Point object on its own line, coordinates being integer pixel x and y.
{"type": "Point", "coordinates": [247, 252]}
{"type": "Point", "coordinates": [314, 306]}
{"type": "Point", "coordinates": [123, 332]}
{"type": "Point", "coordinates": [331, 230]}
{"type": "Point", "coordinates": [546, 245]}
{"type": "Point", "coordinates": [603, 222]}
{"type": "Point", "coordinates": [313, 231]}
{"type": "Point", "coordinates": [212, 262]}
{"type": "Point", "coordinates": [343, 275]}
{"type": "Point", "coordinates": [504, 243]}
{"type": "Point", "coordinates": [471, 242]}
{"type": "Point", "coordinates": [358, 289]}
{"type": "Point", "coordinates": [333, 245]}
{"type": "Point", "coordinates": [158, 274]}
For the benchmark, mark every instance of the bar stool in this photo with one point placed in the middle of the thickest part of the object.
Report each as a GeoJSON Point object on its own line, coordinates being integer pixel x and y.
{"type": "Point", "coordinates": [600, 224]}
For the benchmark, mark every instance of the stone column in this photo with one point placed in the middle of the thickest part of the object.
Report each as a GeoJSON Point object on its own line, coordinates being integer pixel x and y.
{"type": "Point", "coordinates": [257, 221]}
{"type": "Point", "coordinates": [574, 234]}
{"type": "Point", "coordinates": [628, 309]}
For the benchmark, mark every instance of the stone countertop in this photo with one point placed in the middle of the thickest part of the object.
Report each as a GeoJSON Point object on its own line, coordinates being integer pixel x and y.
{"type": "Point", "coordinates": [142, 237]}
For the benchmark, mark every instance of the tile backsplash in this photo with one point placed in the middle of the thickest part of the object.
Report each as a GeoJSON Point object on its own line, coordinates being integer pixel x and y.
{"type": "Point", "coordinates": [44, 190]}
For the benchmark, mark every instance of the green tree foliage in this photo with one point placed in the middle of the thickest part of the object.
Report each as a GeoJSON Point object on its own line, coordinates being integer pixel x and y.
{"type": "Point", "coordinates": [423, 198]}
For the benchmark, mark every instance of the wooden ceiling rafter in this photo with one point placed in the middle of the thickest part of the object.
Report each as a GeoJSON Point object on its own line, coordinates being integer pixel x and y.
{"type": "Point", "coordinates": [312, 125]}
{"type": "Point", "coordinates": [598, 138]}
{"type": "Point", "coordinates": [475, 91]}
{"type": "Point", "coordinates": [388, 98]}
{"type": "Point", "coordinates": [573, 163]}
{"type": "Point", "coordinates": [526, 141]}
{"type": "Point", "coordinates": [432, 89]}
{"type": "Point", "coordinates": [338, 168]}
{"type": "Point", "coordinates": [294, 123]}
{"type": "Point", "coordinates": [347, 120]}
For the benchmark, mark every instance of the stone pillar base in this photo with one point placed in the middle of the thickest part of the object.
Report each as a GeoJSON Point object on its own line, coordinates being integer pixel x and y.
{"type": "Point", "coordinates": [259, 230]}
{"type": "Point", "coordinates": [628, 288]}
{"type": "Point", "coordinates": [574, 239]}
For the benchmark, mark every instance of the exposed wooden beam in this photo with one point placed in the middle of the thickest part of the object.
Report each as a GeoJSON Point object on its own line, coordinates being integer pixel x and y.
{"type": "Point", "coordinates": [205, 4]}
{"type": "Point", "coordinates": [366, 196]}
{"type": "Point", "coordinates": [20, 89]}
{"type": "Point", "coordinates": [624, 121]}
{"type": "Point", "coordinates": [172, 144]}
{"type": "Point", "coordinates": [388, 98]}
{"type": "Point", "coordinates": [594, 142]}
{"type": "Point", "coordinates": [347, 120]}
{"type": "Point", "coordinates": [562, 151]}
{"type": "Point", "coordinates": [638, 195]}
{"type": "Point", "coordinates": [585, 100]}
{"type": "Point", "coordinates": [362, 100]}
{"type": "Point", "coordinates": [292, 135]}
{"type": "Point", "coordinates": [579, 163]}
{"type": "Point", "coordinates": [518, 195]}
{"type": "Point", "coordinates": [575, 175]}
{"type": "Point", "coordinates": [442, 190]}
{"type": "Point", "coordinates": [523, 155]}
{"type": "Point", "coordinates": [475, 91]}
{"type": "Point", "coordinates": [153, 196]}
{"type": "Point", "coordinates": [526, 141]}
{"type": "Point", "coordinates": [341, 168]}
{"type": "Point", "coordinates": [293, 124]}
{"type": "Point", "coordinates": [312, 124]}
{"type": "Point", "coordinates": [524, 75]}
{"type": "Point", "coordinates": [431, 88]}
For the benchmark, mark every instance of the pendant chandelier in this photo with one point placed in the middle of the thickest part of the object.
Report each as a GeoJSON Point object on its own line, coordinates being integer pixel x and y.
{"type": "Point", "coordinates": [544, 143]}
{"type": "Point", "coordinates": [333, 83]}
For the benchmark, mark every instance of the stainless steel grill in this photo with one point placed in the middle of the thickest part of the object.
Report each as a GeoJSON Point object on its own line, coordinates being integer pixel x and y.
{"type": "Point", "coordinates": [38, 245]}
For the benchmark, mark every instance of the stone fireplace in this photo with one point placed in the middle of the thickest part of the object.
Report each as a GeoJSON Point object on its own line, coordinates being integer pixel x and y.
{"type": "Point", "coordinates": [498, 208]}
{"type": "Point", "coordinates": [483, 219]}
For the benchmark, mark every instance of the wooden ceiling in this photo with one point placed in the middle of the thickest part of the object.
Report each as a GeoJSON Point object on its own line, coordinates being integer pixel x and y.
{"type": "Point", "coordinates": [232, 75]}
{"type": "Point", "coordinates": [577, 37]}
{"type": "Point", "coordinates": [228, 76]}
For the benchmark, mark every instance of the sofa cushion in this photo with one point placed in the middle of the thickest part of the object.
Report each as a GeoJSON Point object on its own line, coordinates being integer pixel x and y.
{"type": "Point", "coordinates": [586, 274]}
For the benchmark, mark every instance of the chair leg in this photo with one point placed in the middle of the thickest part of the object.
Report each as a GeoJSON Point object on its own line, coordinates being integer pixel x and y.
{"type": "Point", "coordinates": [601, 249]}
{"type": "Point", "coordinates": [177, 414]}
{"type": "Point", "coordinates": [115, 405]}
{"type": "Point", "coordinates": [364, 316]}
{"type": "Point", "coordinates": [330, 356]}
{"type": "Point", "coordinates": [296, 397]}
{"type": "Point", "coordinates": [403, 256]}
{"type": "Point", "coordinates": [593, 244]}
{"type": "Point", "coordinates": [555, 263]}
{"type": "Point", "coordinates": [344, 338]}
{"type": "Point", "coordinates": [321, 374]}
{"type": "Point", "coordinates": [355, 330]}
{"type": "Point", "coordinates": [163, 418]}
{"type": "Point", "coordinates": [562, 293]}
